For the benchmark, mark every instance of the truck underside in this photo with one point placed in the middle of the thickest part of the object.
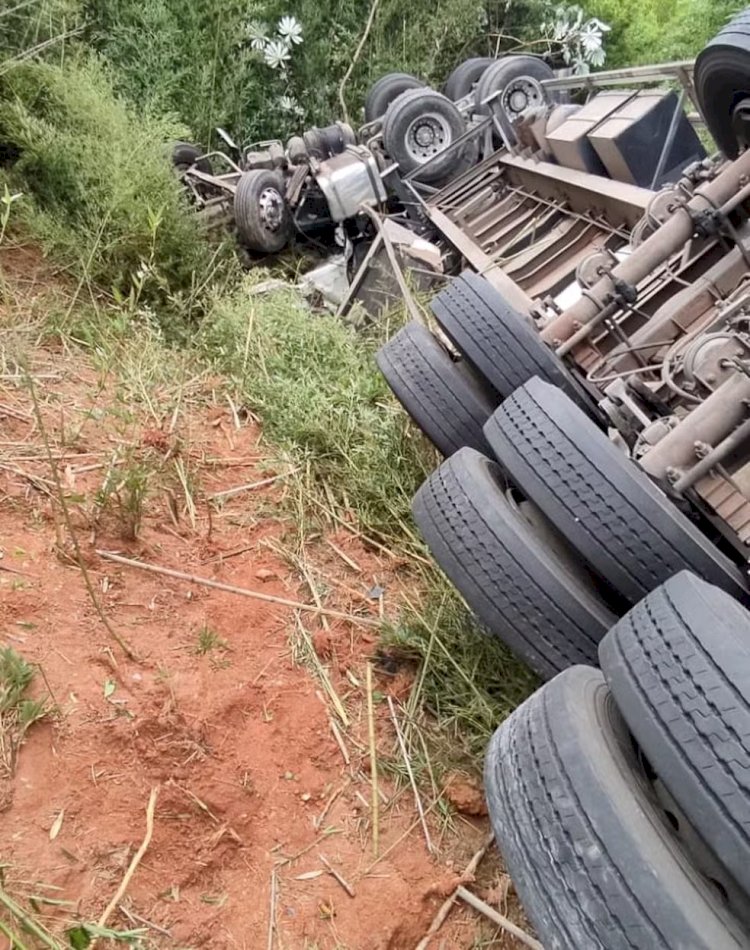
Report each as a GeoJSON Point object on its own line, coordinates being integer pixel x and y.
{"type": "Point", "coordinates": [644, 294]}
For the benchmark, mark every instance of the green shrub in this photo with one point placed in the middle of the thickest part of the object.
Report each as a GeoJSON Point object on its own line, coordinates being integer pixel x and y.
{"type": "Point", "coordinates": [316, 387]}
{"type": "Point", "coordinates": [98, 189]}
{"type": "Point", "coordinates": [36, 25]}
{"type": "Point", "coordinates": [197, 62]}
{"type": "Point", "coordinates": [661, 30]}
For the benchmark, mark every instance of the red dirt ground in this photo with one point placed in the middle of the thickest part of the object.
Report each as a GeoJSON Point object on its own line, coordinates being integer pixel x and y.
{"type": "Point", "coordinates": [253, 787]}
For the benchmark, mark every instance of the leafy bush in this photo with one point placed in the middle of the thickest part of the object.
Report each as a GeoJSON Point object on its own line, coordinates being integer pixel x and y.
{"type": "Point", "coordinates": [98, 189]}
{"type": "Point", "coordinates": [198, 60]}
{"type": "Point", "coordinates": [660, 30]}
{"type": "Point", "coordinates": [321, 397]}
{"type": "Point", "coordinates": [35, 25]}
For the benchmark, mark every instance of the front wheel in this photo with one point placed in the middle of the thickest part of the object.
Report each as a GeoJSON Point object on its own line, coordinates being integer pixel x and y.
{"type": "Point", "coordinates": [262, 216]}
{"type": "Point", "coordinates": [418, 128]}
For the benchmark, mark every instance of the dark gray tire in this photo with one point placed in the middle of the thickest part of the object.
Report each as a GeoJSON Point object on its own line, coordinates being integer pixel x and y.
{"type": "Point", "coordinates": [465, 77]}
{"type": "Point", "coordinates": [264, 231]}
{"type": "Point", "coordinates": [498, 341]}
{"type": "Point", "coordinates": [607, 508]}
{"type": "Point", "coordinates": [444, 398]}
{"type": "Point", "coordinates": [678, 665]}
{"type": "Point", "coordinates": [429, 112]}
{"type": "Point", "coordinates": [500, 75]}
{"type": "Point", "coordinates": [383, 92]}
{"type": "Point", "coordinates": [591, 854]}
{"type": "Point", "coordinates": [722, 80]}
{"type": "Point", "coordinates": [508, 572]}
{"type": "Point", "coordinates": [185, 155]}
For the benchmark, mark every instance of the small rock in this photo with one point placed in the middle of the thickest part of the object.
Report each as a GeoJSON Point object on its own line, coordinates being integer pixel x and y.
{"type": "Point", "coordinates": [263, 574]}
{"type": "Point", "coordinates": [465, 795]}
{"type": "Point", "coordinates": [323, 644]}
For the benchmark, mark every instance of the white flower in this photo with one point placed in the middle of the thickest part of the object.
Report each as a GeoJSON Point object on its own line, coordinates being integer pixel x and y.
{"type": "Point", "coordinates": [290, 29]}
{"type": "Point", "coordinates": [276, 54]}
{"type": "Point", "coordinates": [288, 104]}
{"type": "Point", "coordinates": [257, 33]}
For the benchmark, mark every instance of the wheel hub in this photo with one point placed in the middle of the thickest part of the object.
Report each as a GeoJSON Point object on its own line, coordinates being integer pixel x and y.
{"type": "Point", "coordinates": [522, 94]}
{"type": "Point", "coordinates": [426, 136]}
{"type": "Point", "coordinates": [271, 209]}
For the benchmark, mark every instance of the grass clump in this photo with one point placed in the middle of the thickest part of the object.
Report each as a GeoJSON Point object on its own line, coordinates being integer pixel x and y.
{"type": "Point", "coordinates": [467, 679]}
{"type": "Point", "coordinates": [17, 712]}
{"type": "Point", "coordinates": [322, 399]}
{"type": "Point", "coordinates": [98, 189]}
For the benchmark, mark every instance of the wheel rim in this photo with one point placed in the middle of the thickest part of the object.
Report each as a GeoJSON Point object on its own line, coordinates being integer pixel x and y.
{"type": "Point", "coordinates": [521, 94]}
{"type": "Point", "coordinates": [714, 877]}
{"type": "Point", "coordinates": [427, 135]}
{"type": "Point", "coordinates": [271, 209]}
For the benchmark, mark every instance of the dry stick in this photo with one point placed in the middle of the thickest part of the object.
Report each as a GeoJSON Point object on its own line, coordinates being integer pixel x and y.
{"type": "Point", "coordinates": [339, 741]}
{"type": "Point", "coordinates": [230, 492]}
{"type": "Point", "coordinates": [445, 907]}
{"type": "Point", "coordinates": [120, 641]}
{"type": "Point", "coordinates": [407, 763]}
{"type": "Point", "coordinates": [272, 913]}
{"type": "Point", "coordinates": [344, 556]}
{"type": "Point", "coordinates": [120, 893]}
{"type": "Point", "coordinates": [355, 58]}
{"type": "Point", "coordinates": [332, 870]}
{"type": "Point", "coordinates": [473, 901]}
{"type": "Point", "coordinates": [373, 762]}
{"type": "Point", "coordinates": [231, 589]}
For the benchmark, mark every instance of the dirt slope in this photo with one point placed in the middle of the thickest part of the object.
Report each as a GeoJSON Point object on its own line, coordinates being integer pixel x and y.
{"type": "Point", "coordinates": [217, 711]}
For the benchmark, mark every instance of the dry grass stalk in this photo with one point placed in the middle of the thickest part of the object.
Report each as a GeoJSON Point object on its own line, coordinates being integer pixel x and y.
{"type": "Point", "coordinates": [410, 773]}
{"type": "Point", "coordinates": [231, 589]}
{"type": "Point", "coordinates": [473, 901]}
{"type": "Point", "coordinates": [375, 808]}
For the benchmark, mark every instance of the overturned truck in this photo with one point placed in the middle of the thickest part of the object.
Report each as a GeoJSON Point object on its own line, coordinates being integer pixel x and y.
{"type": "Point", "coordinates": [587, 376]}
{"type": "Point", "coordinates": [596, 348]}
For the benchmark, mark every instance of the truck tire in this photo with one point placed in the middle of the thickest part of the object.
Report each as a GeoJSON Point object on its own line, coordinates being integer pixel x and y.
{"type": "Point", "coordinates": [507, 75]}
{"type": "Point", "coordinates": [593, 857]}
{"type": "Point", "coordinates": [262, 216]}
{"type": "Point", "coordinates": [383, 92]}
{"type": "Point", "coordinates": [418, 128]}
{"type": "Point", "coordinates": [678, 665]}
{"type": "Point", "coordinates": [498, 341]}
{"type": "Point", "coordinates": [507, 570]}
{"type": "Point", "coordinates": [185, 155]}
{"type": "Point", "coordinates": [444, 398]}
{"type": "Point", "coordinates": [606, 507]}
{"type": "Point", "coordinates": [722, 81]}
{"type": "Point", "coordinates": [465, 77]}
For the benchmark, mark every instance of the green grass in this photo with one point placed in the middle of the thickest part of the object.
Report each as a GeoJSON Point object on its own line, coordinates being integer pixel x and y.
{"type": "Point", "coordinates": [18, 712]}
{"type": "Point", "coordinates": [208, 641]}
{"type": "Point", "coordinates": [315, 385]}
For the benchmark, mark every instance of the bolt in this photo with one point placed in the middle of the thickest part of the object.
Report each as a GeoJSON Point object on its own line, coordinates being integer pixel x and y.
{"type": "Point", "coordinates": [672, 474]}
{"type": "Point", "coordinates": [701, 449]}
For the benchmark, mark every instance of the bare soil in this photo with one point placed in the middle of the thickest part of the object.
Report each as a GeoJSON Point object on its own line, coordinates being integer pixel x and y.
{"type": "Point", "coordinates": [217, 711]}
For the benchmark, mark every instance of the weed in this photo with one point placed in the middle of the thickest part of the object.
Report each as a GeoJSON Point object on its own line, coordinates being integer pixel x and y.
{"type": "Point", "coordinates": [17, 712]}
{"type": "Point", "coordinates": [124, 494]}
{"type": "Point", "coordinates": [209, 641]}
